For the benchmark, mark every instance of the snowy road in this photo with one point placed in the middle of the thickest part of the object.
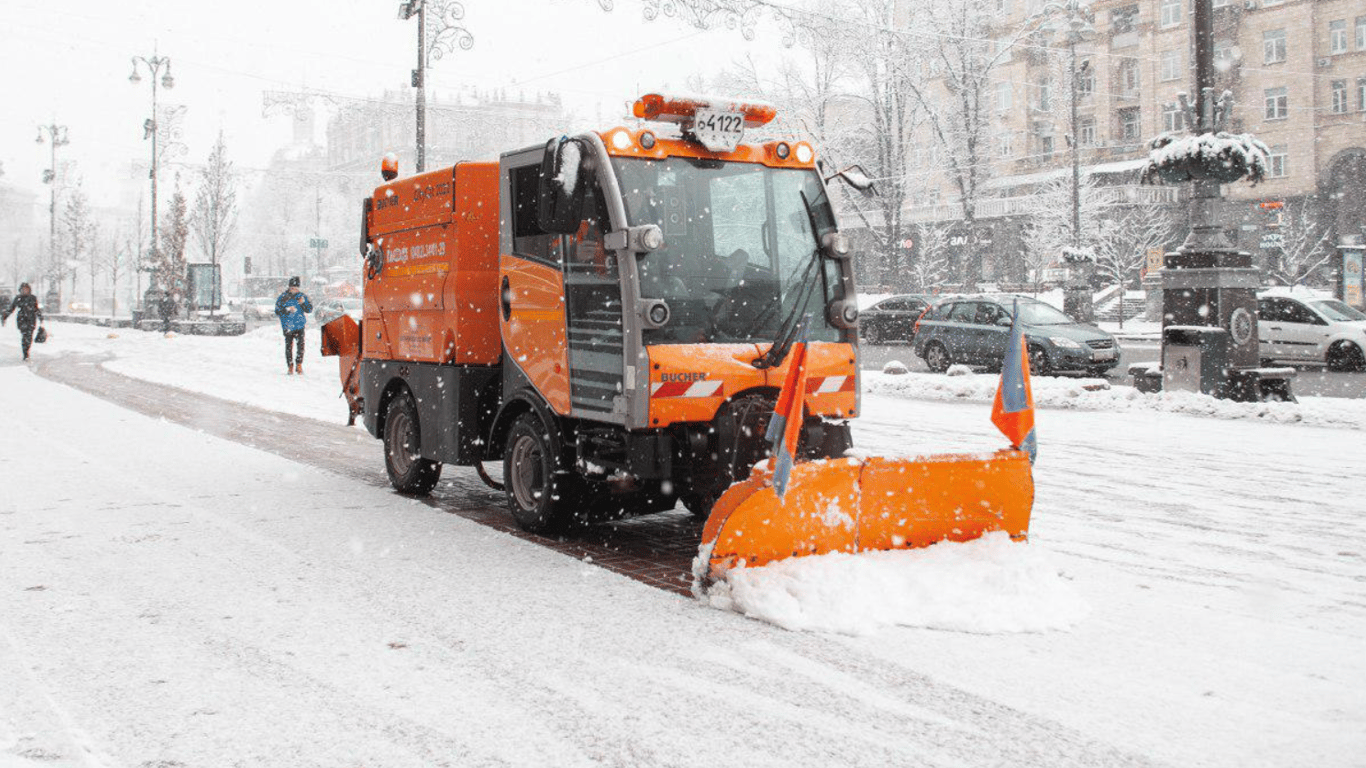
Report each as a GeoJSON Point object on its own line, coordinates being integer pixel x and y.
{"type": "Point", "coordinates": [169, 597]}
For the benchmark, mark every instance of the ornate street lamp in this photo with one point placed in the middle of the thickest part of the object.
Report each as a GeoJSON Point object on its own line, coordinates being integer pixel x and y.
{"type": "Point", "coordinates": [154, 66]}
{"type": "Point", "coordinates": [56, 137]}
{"type": "Point", "coordinates": [448, 34]}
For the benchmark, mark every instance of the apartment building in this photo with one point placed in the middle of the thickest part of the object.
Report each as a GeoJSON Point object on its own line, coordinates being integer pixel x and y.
{"type": "Point", "coordinates": [1296, 70]}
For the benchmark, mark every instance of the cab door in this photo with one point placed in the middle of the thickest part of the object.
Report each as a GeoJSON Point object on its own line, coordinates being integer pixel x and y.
{"type": "Point", "coordinates": [1304, 334]}
{"type": "Point", "coordinates": [994, 336]}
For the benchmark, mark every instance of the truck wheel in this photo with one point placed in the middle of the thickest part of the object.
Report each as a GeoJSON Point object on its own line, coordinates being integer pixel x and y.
{"type": "Point", "coordinates": [1345, 356]}
{"type": "Point", "coordinates": [408, 472]}
{"type": "Point", "coordinates": [539, 483]}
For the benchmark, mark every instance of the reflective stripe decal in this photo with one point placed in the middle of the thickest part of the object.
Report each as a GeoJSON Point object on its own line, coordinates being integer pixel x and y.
{"type": "Point", "coordinates": [686, 388]}
{"type": "Point", "coordinates": [824, 385]}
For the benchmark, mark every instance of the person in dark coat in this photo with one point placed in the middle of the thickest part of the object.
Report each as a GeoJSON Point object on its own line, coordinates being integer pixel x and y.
{"type": "Point", "coordinates": [291, 307]}
{"type": "Point", "coordinates": [29, 315]}
{"type": "Point", "coordinates": [166, 308]}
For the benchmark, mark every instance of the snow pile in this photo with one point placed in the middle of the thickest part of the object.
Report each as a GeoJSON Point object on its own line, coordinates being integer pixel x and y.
{"type": "Point", "coordinates": [987, 586]}
{"type": "Point", "coordinates": [1086, 394]}
{"type": "Point", "coordinates": [895, 368]}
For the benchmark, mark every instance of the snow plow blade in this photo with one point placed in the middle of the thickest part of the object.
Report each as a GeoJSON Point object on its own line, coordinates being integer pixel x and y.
{"type": "Point", "coordinates": [856, 505]}
{"type": "Point", "coordinates": [341, 337]}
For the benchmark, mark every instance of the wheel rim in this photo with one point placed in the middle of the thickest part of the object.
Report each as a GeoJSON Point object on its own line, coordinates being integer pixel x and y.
{"type": "Point", "coordinates": [934, 356]}
{"type": "Point", "coordinates": [401, 438]}
{"type": "Point", "coordinates": [528, 479]}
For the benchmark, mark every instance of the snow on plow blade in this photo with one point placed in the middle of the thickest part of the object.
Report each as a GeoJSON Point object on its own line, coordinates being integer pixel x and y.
{"type": "Point", "coordinates": [855, 505]}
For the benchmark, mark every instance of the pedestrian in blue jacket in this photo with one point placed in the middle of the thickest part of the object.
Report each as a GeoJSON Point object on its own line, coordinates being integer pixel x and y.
{"type": "Point", "coordinates": [291, 307]}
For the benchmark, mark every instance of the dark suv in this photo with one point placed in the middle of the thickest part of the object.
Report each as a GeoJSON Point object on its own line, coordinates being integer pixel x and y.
{"type": "Point", "coordinates": [974, 330]}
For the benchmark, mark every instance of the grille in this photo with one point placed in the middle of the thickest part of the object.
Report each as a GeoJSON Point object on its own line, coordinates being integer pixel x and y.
{"type": "Point", "coordinates": [1101, 344]}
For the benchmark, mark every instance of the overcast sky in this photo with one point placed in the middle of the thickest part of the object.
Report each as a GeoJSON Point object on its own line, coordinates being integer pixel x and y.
{"type": "Point", "coordinates": [70, 61]}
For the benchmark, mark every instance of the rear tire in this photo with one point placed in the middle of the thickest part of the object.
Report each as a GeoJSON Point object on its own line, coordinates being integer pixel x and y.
{"type": "Point", "coordinates": [1345, 356]}
{"type": "Point", "coordinates": [540, 484]}
{"type": "Point", "coordinates": [409, 473]}
{"type": "Point", "coordinates": [937, 358]}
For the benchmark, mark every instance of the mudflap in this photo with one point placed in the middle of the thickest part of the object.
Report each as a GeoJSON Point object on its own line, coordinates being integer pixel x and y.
{"type": "Point", "coordinates": [862, 504]}
{"type": "Point", "coordinates": [341, 338]}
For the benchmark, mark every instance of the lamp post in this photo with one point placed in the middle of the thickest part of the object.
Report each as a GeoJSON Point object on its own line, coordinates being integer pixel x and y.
{"type": "Point", "coordinates": [1075, 14]}
{"type": "Point", "coordinates": [447, 33]}
{"type": "Point", "coordinates": [56, 137]}
{"type": "Point", "coordinates": [406, 11]}
{"type": "Point", "coordinates": [154, 66]}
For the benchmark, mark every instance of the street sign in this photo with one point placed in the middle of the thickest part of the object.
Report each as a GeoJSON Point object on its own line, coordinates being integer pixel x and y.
{"type": "Point", "coordinates": [908, 243]}
{"type": "Point", "coordinates": [317, 242]}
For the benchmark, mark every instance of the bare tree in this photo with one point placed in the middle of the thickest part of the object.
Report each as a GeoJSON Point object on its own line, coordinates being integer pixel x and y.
{"type": "Point", "coordinates": [1126, 237]}
{"type": "Point", "coordinates": [931, 266]}
{"type": "Point", "coordinates": [1305, 245]}
{"type": "Point", "coordinates": [78, 233]}
{"type": "Point", "coordinates": [1047, 227]}
{"type": "Point", "coordinates": [215, 208]}
{"type": "Point", "coordinates": [117, 260]}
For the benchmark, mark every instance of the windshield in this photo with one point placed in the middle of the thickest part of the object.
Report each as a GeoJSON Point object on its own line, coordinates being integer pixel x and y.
{"type": "Point", "coordinates": [1337, 311]}
{"type": "Point", "coordinates": [738, 247]}
{"type": "Point", "coordinates": [1039, 313]}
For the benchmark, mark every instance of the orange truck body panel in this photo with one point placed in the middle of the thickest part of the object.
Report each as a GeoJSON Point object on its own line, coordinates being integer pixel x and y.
{"type": "Point", "coordinates": [535, 332]}
{"type": "Point", "coordinates": [438, 299]}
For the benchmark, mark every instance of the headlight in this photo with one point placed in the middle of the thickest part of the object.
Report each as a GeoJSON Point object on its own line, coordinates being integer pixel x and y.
{"type": "Point", "coordinates": [1063, 342]}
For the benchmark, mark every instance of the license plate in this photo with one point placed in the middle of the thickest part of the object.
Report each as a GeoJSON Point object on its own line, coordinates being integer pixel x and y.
{"type": "Point", "coordinates": [1103, 354]}
{"type": "Point", "coordinates": [718, 131]}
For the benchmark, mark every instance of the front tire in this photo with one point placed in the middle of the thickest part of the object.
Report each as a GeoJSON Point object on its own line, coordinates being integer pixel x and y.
{"type": "Point", "coordinates": [1038, 361]}
{"type": "Point", "coordinates": [540, 485]}
{"type": "Point", "coordinates": [409, 473]}
{"type": "Point", "coordinates": [1345, 356]}
{"type": "Point", "coordinates": [871, 334]}
{"type": "Point", "coordinates": [937, 358]}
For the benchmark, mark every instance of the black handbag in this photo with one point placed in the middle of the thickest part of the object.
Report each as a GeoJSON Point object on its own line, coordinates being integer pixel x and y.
{"type": "Point", "coordinates": [41, 336]}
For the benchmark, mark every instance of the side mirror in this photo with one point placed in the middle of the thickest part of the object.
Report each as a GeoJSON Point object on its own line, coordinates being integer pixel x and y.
{"type": "Point", "coordinates": [1003, 321]}
{"type": "Point", "coordinates": [857, 178]}
{"type": "Point", "coordinates": [560, 190]}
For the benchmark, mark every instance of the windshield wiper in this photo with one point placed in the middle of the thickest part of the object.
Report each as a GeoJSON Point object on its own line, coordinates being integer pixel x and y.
{"type": "Point", "coordinates": [788, 331]}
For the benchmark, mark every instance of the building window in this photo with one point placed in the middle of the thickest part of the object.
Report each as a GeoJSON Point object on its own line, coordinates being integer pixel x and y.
{"type": "Point", "coordinates": [1087, 131]}
{"type": "Point", "coordinates": [1171, 13]}
{"type": "Point", "coordinates": [1361, 94]}
{"type": "Point", "coordinates": [1361, 33]}
{"type": "Point", "coordinates": [1086, 78]}
{"type": "Point", "coordinates": [1130, 124]}
{"type": "Point", "coordinates": [1337, 36]}
{"type": "Point", "coordinates": [1046, 145]}
{"type": "Point", "coordinates": [1128, 78]}
{"type": "Point", "coordinates": [1005, 144]}
{"type": "Point", "coordinates": [1273, 46]}
{"type": "Point", "coordinates": [1277, 104]}
{"type": "Point", "coordinates": [1221, 3]}
{"type": "Point", "coordinates": [1223, 54]}
{"type": "Point", "coordinates": [1124, 20]}
{"type": "Point", "coordinates": [1339, 100]}
{"type": "Point", "coordinates": [1002, 97]}
{"type": "Point", "coordinates": [1045, 95]}
{"type": "Point", "coordinates": [1170, 65]}
{"type": "Point", "coordinates": [1279, 165]}
{"type": "Point", "coordinates": [1171, 117]}
{"type": "Point", "coordinates": [1003, 7]}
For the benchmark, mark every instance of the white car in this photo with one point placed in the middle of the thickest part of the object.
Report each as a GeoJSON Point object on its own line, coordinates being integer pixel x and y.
{"type": "Point", "coordinates": [1310, 330]}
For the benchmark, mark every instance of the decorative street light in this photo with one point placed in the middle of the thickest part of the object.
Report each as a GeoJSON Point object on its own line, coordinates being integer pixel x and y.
{"type": "Point", "coordinates": [449, 33]}
{"type": "Point", "coordinates": [149, 131]}
{"type": "Point", "coordinates": [56, 137]}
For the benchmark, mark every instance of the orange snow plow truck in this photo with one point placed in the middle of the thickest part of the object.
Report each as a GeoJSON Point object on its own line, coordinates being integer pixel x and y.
{"type": "Point", "coordinates": [610, 315]}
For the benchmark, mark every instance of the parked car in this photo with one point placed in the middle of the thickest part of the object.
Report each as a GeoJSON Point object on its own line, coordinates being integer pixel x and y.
{"type": "Point", "coordinates": [259, 309]}
{"type": "Point", "coordinates": [892, 319]}
{"type": "Point", "coordinates": [332, 309]}
{"type": "Point", "coordinates": [974, 330]}
{"type": "Point", "coordinates": [1309, 330]}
